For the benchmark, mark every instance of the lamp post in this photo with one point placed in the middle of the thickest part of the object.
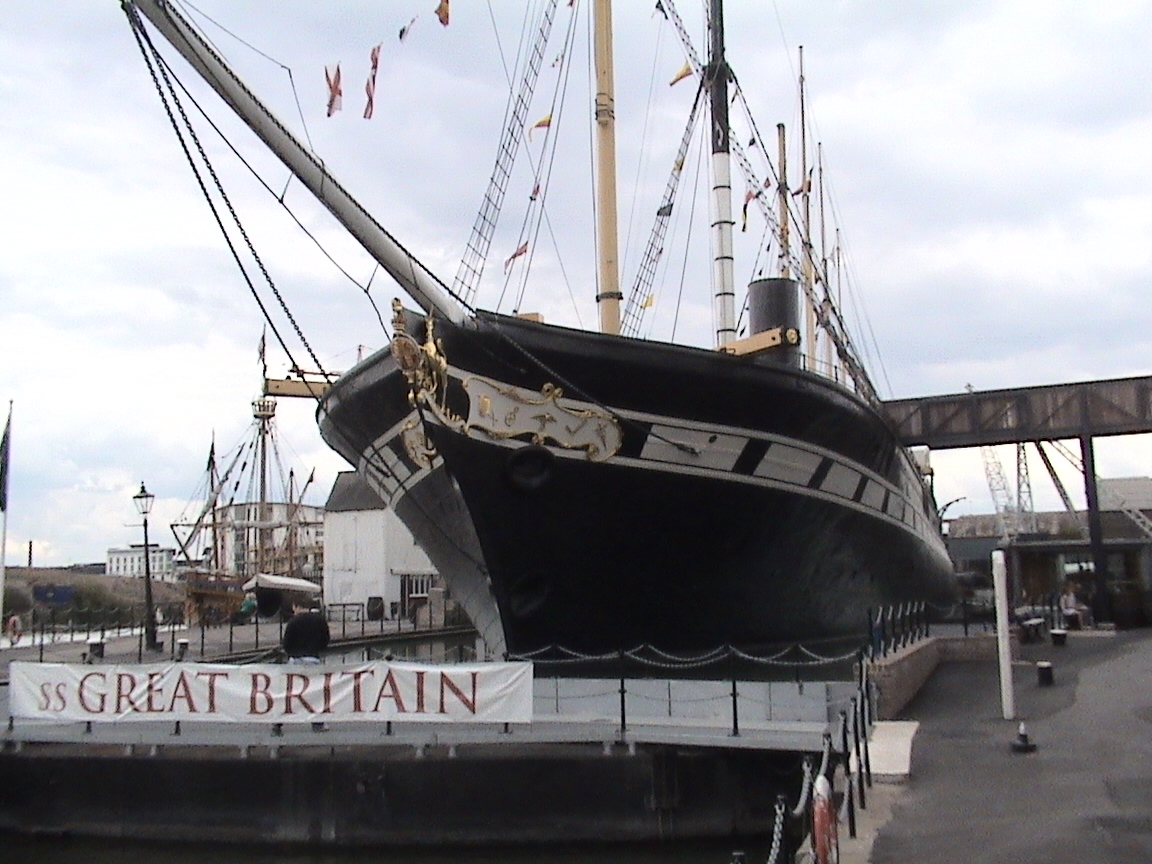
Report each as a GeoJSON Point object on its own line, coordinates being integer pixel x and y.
{"type": "Point", "coordinates": [143, 501]}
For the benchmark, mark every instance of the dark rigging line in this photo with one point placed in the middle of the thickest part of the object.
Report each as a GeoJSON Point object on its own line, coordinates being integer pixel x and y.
{"type": "Point", "coordinates": [278, 196]}
{"type": "Point", "coordinates": [142, 38]}
{"type": "Point", "coordinates": [249, 45]}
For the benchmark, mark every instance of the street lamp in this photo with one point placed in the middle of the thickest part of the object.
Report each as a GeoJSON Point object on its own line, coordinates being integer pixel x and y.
{"type": "Point", "coordinates": [940, 513]}
{"type": "Point", "coordinates": [143, 501]}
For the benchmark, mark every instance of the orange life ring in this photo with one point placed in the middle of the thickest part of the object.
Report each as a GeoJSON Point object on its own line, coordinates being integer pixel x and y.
{"type": "Point", "coordinates": [825, 845]}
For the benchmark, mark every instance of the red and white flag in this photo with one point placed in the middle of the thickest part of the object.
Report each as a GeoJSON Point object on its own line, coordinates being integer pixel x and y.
{"type": "Point", "coordinates": [523, 250]}
{"type": "Point", "coordinates": [370, 86]}
{"type": "Point", "coordinates": [334, 91]}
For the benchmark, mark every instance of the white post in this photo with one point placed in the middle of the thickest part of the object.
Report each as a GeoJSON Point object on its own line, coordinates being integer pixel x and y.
{"type": "Point", "coordinates": [1000, 586]}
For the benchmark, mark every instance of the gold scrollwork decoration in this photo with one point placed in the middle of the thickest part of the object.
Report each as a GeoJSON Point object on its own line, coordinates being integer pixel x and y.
{"type": "Point", "coordinates": [495, 412]}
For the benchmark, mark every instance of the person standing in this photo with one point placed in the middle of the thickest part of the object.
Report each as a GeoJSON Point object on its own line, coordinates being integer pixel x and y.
{"type": "Point", "coordinates": [15, 629]}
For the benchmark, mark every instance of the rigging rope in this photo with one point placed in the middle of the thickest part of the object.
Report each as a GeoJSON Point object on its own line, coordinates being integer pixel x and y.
{"type": "Point", "coordinates": [156, 65]}
{"type": "Point", "coordinates": [476, 253]}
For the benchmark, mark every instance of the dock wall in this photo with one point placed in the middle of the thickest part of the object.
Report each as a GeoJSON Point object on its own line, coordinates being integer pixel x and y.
{"type": "Point", "coordinates": [395, 796]}
{"type": "Point", "coordinates": [899, 676]}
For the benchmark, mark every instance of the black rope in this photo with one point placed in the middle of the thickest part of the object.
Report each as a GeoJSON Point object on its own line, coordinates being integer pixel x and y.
{"type": "Point", "coordinates": [156, 63]}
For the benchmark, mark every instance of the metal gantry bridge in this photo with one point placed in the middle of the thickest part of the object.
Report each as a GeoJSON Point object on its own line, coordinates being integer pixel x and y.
{"type": "Point", "coordinates": [1081, 411]}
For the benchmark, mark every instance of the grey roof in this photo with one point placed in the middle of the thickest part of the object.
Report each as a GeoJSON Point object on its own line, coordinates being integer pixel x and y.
{"type": "Point", "coordinates": [350, 493]}
{"type": "Point", "coordinates": [1135, 492]}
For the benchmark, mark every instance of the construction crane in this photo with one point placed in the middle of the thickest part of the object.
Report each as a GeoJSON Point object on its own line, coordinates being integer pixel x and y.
{"type": "Point", "coordinates": [1064, 496]}
{"type": "Point", "coordinates": [1025, 510]}
{"type": "Point", "coordinates": [1006, 513]}
{"type": "Point", "coordinates": [1114, 499]}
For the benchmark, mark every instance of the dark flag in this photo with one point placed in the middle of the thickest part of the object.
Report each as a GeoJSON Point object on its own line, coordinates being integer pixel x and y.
{"type": "Point", "coordinates": [4, 463]}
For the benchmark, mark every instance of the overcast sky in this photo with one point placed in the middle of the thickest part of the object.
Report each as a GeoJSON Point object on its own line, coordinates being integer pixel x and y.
{"type": "Point", "coordinates": [987, 161]}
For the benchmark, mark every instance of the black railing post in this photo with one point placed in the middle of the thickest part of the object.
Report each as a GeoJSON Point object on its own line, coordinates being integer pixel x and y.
{"type": "Point", "coordinates": [856, 749]}
{"type": "Point", "coordinates": [871, 634]}
{"type": "Point", "coordinates": [735, 710]}
{"type": "Point", "coordinates": [201, 636]}
{"type": "Point", "coordinates": [623, 708]}
{"type": "Point", "coordinates": [623, 700]}
{"type": "Point", "coordinates": [847, 773]}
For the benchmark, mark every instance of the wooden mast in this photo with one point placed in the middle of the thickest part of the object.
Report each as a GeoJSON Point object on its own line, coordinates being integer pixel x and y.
{"type": "Point", "coordinates": [609, 296]}
{"type": "Point", "coordinates": [724, 304]}
{"type": "Point", "coordinates": [806, 268]}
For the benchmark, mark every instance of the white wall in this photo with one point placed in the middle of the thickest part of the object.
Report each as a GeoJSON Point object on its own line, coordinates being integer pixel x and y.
{"type": "Point", "coordinates": [365, 554]}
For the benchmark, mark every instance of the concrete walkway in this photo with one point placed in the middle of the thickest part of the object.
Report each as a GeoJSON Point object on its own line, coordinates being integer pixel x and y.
{"type": "Point", "coordinates": [1084, 795]}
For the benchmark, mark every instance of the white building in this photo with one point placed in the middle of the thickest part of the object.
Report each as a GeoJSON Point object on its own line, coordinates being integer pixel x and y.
{"type": "Point", "coordinates": [130, 562]}
{"type": "Point", "coordinates": [371, 561]}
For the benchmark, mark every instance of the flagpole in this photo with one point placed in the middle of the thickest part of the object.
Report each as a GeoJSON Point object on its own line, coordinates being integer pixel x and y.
{"type": "Point", "coordinates": [5, 445]}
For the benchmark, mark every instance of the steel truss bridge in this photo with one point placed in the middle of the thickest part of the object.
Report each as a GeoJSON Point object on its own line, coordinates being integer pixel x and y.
{"type": "Point", "coordinates": [1085, 410]}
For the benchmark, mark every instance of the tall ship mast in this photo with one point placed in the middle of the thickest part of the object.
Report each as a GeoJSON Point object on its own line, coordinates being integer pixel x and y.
{"type": "Point", "coordinates": [248, 518]}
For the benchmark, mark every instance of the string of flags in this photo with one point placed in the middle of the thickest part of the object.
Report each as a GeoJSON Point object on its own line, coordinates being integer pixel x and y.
{"type": "Point", "coordinates": [333, 77]}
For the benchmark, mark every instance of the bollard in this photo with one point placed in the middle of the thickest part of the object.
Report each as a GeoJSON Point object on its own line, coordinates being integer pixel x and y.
{"type": "Point", "coordinates": [1059, 637]}
{"type": "Point", "coordinates": [95, 649]}
{"type": "Point", "coordinates": [1044, 675]}
{"type": "Point", "coordinates": [182, 649]}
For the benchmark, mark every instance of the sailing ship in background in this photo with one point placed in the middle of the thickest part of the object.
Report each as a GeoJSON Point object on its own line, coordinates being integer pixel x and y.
{"type": "Point", "coordinates": [248, 521]}
{"type": "Point", "coordinates": [588, 494]}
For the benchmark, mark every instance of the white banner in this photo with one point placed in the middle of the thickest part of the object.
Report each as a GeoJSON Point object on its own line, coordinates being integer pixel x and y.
{"type": "Point", "coordinates": [212, 692]}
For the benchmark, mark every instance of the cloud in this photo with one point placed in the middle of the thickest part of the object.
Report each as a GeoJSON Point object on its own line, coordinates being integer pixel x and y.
{"type": "Point", "coordinates": [986, 159]}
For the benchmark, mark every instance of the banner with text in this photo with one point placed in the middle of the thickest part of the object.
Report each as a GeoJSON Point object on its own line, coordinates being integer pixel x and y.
{"type": "Point", "coordinates": [213, 692]}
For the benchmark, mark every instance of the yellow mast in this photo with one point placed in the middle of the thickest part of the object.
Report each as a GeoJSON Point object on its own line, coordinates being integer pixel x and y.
{"type": "Point", "coordinates": [609, 297]}
{"type": "Point", "coordinates": [806, 241]}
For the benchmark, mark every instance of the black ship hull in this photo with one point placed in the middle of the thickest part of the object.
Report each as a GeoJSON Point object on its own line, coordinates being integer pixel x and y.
{"type": "Point", "coordinates": [587, 494]}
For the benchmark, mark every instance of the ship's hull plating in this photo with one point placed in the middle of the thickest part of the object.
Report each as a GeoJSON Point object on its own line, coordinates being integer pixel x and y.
{"type": "Point", "coordinates": [589, 494]}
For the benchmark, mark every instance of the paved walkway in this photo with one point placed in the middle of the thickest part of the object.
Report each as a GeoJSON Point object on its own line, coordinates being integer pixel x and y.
{"type": "Point", "coordinates": [1084, 795]}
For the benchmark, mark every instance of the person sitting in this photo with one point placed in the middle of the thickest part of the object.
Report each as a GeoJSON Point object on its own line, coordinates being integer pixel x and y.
{"type": "Point", "coordinates": [1076, 614]}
